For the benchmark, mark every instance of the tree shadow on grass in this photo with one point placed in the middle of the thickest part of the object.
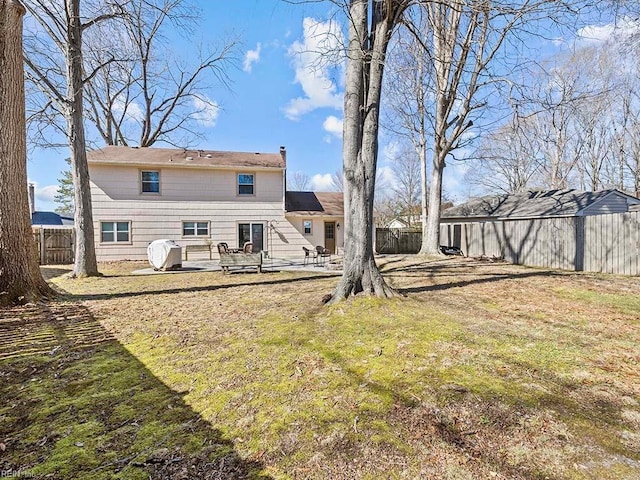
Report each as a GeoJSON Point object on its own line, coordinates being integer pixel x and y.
{"type": "Point", "coordinates": [77, 404]}
{"type": "Point", "coordinates": [479, 279]}
{"type": "Point", "coordinates": [205, 288]}
{"type": "Point", "coordinates": [476, 421]}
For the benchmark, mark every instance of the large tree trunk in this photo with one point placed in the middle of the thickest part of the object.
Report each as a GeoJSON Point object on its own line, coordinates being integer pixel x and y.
{"type": "Point", "coordinates": [421, 148]}
{"type": "Point", "coordinates": [85, 256]}
{"type": "Point", "coordinates": [360, 146]}
{"type": "Point", "coordinates": [431, 231]}
{"type": "Point", "coordinates": [20, 278]}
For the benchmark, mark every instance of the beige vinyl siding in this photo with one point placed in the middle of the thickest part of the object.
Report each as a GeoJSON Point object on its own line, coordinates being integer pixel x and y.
{"type": "Point", "coordinates": [205, 195]}
{"type": "Point", "coordinates": [155, 220]}
{"type": "Point", "coordinates": [184, 184]}
{"type": "Point", "coordinates": [317, 231]}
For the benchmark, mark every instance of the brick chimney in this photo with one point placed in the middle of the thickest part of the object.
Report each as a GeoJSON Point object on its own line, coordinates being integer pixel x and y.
{"type": "Point", "coordinates": [32, 198]}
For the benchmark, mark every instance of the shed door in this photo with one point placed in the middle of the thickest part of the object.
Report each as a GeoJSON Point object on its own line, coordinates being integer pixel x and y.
{"type": "Point", "coordinates": [457, 236]}
{"type": "Point", "coordinates": [330, 236]}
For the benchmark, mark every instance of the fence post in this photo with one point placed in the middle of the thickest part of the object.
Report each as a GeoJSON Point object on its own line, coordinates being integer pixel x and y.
{"type": "Point", "coordinates": [579, 246]}
{"type": "Point", "coordinates": [43, 256]}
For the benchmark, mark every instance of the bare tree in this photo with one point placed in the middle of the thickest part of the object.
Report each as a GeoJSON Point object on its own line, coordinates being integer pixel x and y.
{"type": "Point", "coordinates": [20, 277]}
{"type": "Point", "coordinates": [453, 50]}
{"type": "Point", "coordinates": [559, 136]}
{"type": "Point", "coordinates": [406, 192]}
{"type": "Point", "coordinates": [145, 95]}
{"type": "Point", "coordinates": [466, 37]}
{"type": "Point", "coordinates": [299, 181]}
{"type": "Point", "coordinates": [371, 25]}
{"type": "Point", "coordinates": [399, 198]}
{"type": "Point", "coordinates": [622, 113]}
{"type": "Point", "coordinates": [506, 161]}
{"type": "Point", "coordinates": [408, 87]}
{"type": "Point", "coordinates": [64, 27]}
{"type": "Point", "coordinates": [337, 181]}
{"type": "Point", "coordinates": [627, 141]}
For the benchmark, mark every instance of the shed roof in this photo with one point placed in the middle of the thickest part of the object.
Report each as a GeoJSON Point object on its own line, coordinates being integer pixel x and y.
{"type": "Point", "coordinates": [533, 204]}
{"type": "Point", "coordinates": [50, 218]}
{"type": "Point", "coordinates": [315, 203]}
{"type": "Point", "coordinates": [117, 155]}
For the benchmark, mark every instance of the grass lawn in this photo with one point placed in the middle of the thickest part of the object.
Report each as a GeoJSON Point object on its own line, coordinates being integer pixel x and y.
{"type": "Point", "coordinates": [481, 371]}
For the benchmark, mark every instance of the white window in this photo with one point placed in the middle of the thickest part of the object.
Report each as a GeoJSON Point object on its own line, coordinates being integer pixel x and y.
{"type": "Point", "coordinates": [114, 232]}
{"type": "Point", "coordinates": [150, 181]}
{"type": "Point", "coordinates": [308, 227]}
{"type": "Point", "coordinates": [195, 229]}
{"type": "Point", "coordinates": [246, 183]}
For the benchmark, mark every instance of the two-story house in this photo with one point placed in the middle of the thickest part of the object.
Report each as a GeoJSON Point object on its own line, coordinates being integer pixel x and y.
{"type": "Point", "coordinates": [198, 196]}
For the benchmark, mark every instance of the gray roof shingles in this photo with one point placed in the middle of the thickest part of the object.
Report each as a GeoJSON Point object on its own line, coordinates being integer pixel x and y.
{"type": "Point", "coordinates": [187, 158]}
{"type": "Point", "coordinates": [315, 203]}
{"type": "Point", "coordinates": [551, 203]}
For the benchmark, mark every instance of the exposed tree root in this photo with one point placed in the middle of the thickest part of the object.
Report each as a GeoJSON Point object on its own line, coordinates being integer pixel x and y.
{"type": "Point", "coordinates": [362, 281]}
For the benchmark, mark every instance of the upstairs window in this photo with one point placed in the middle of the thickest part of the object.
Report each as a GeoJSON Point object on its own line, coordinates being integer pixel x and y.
{"type": "Point", "coordinates": [308, 225]}
{"type": "Point", "coordinates": [150, 181]}
{"type": "Point", "coordinates": [195, 229]}
{"type": "Point", "coordinates": [246, 184]}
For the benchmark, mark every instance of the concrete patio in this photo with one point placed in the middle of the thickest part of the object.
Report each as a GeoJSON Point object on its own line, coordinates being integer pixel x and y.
{"type": "Point", "coordinates": [268, 265]}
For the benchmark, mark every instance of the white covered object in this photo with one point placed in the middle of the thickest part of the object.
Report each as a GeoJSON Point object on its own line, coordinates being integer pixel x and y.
{"type": "Point", "coordinates": [164, 254]}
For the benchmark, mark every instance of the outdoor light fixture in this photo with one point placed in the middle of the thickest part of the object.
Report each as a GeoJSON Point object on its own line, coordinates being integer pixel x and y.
{"type": "Point", "coordinates": [338, 225]}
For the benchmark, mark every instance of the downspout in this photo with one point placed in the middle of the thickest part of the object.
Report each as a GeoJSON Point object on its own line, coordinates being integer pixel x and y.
{"type": "Point", "coordinates": [283, 154]}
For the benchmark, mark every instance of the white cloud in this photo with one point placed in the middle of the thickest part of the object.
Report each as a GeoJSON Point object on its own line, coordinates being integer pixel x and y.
{"type": "Point", "coordinates": [597, 34]}
{"type": "Point", "coordinates": [46, 193]}
{"type": "Point", "coordinates": [206, 111]}
{"type": "Point", "coordinates": [321, 182]}
{"type": "Point", "coordinates": [333, 126]}
{"type": "Point", "coordinates": [44, 196]}
{"type": "Point", "coordinates": [386, 180]}
{"type": "Point", "coordinates": [133, 110]}
{"type": "Point", "coordinates": [314, 64]}
{"type": "Point", "coordinates": [251, 57]}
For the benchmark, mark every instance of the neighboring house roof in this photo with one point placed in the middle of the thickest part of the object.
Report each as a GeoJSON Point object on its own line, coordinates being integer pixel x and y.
{"type": "Point", "coordinates": [315, 203]}
{"type": "Point", "coordinates": [535, 204]}
{"type": "Point", "coordinates": [158, 157]}
{"type": "Point", "coordinates": [50, 218]}
{"type": "Point", "coordinates": [397, 223]}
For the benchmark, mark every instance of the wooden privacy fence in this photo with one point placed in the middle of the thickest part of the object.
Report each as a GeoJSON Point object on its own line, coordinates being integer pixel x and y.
{"type": "Point", "coordinates": [398, 240]}
{"type": "Point", "coordinates": [55, 245]}
{"type": "Point", "coordinates": [599, 243]}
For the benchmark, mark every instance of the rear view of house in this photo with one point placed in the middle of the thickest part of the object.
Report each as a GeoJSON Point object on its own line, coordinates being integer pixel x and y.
{"type": "Point", "coordinates": [196, 197]}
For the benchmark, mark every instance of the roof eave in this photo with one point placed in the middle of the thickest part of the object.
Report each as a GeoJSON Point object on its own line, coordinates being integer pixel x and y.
{"type": "Point", "coordinates": [185, 165]}
{"type": "Point", "coordinates": [309, 213]}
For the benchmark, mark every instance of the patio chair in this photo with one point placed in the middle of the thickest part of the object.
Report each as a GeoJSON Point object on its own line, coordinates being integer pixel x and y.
{"type": "Point", "coordinates": [247, 248]}
{"type": "Point", "coordinates": [223, 248]}
{"type": "Point", "coordinates": [309, 254]}
{"type": "Point", "coordinates": [322, 253]}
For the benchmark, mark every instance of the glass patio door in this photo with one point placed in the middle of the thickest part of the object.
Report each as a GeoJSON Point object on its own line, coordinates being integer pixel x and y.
{"type": "Point", "coordinates": [251, 232]}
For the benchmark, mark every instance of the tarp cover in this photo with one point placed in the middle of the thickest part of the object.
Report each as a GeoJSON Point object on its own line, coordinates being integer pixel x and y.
{"type": "Point", "coordinates": [164, 254]}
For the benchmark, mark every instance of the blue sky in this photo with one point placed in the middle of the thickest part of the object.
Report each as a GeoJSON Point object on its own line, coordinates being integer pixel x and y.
{"type": "Point", "coordinates": [276, 97]}
{"type": "Point", "coordinates": [270, 103]}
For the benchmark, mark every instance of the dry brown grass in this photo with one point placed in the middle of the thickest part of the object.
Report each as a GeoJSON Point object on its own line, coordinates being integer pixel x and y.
{"type": "Point", "coordinates": [482, 370]}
